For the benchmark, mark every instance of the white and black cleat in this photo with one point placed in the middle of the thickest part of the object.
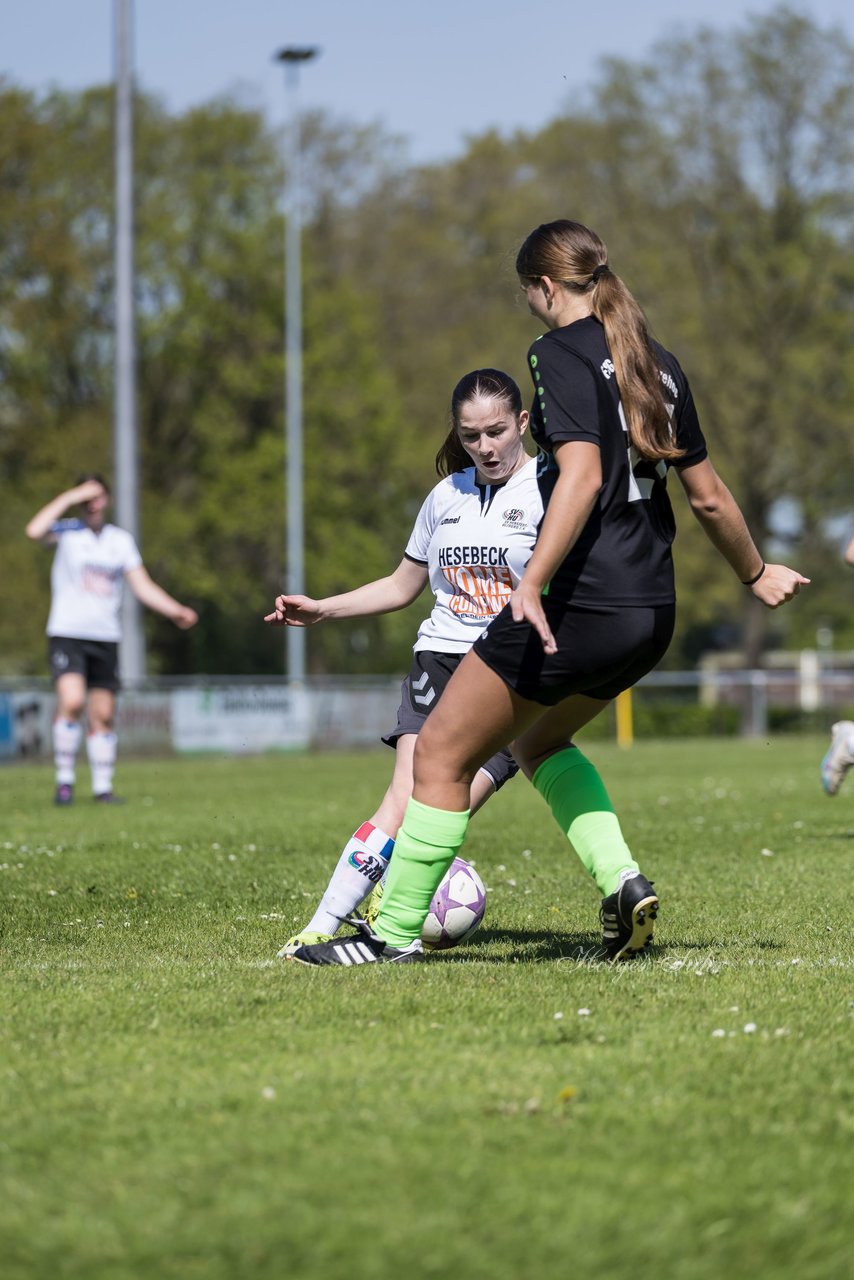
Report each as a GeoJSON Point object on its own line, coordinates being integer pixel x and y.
{"type": "Point", "coordinates": [628, 917]}
{"type": "Point", "coordinates": [362, 947]}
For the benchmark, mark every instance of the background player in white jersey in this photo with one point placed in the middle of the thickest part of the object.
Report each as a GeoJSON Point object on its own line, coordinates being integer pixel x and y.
{"type": "Point", "coordinates": [471, 541]}
{"type": "Point", "coordinates": [93, 559]}
{"type": "Point", "coordinates": [594, 610]}
{"type": "Point", "coordinates": [839, 757]}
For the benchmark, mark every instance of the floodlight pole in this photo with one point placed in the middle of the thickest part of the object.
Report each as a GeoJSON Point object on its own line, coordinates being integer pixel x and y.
{"type": "Point", "coordinates": [292, 57]}
{"type": "Point", "coordinates": [132, 649]}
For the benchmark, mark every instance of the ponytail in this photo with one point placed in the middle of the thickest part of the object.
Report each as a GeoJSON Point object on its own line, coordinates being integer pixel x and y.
{"type": "Point", "coordinates": [574, 256]}
{"type": "Point", "coordinates": [638, 369]}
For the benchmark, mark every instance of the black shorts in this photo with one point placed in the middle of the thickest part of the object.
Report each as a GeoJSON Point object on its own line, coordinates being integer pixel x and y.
{"type": "Point", "coordinates": [600, 652]}
{"type": "Point", "coordinates": [96, 660]}
{"type": "Point", "coordinates": [419, 693]}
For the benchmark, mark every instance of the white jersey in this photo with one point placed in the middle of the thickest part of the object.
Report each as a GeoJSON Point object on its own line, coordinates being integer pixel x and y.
{"type": "Point", "coordinates": [87, 580]}
{"type": "Point", "coordinates": [475, 540]}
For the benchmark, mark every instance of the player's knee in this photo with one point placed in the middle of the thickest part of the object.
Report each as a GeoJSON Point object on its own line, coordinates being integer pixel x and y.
{"type": "Point", "coordinates": [70, 708]}
{"type": "Point", "coordinates": [529, 758]}
{"type": "Point", "coordinates": [437, 762]}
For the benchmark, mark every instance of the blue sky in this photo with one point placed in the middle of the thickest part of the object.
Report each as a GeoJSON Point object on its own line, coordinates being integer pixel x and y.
{"type": "Point", "coordinates": [431, 71]}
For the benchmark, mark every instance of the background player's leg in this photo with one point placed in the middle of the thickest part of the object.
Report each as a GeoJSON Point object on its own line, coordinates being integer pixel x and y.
{"type": "Point", "coordinates": [67, 732]}
{"type": "Point", "coordinates": [101, 741]}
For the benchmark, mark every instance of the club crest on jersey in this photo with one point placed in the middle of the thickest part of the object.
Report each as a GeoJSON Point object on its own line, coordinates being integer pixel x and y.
{"type": "Point", "coordinates": [368, 866]}
{"type": "Point", "coordinates": [513, 518]}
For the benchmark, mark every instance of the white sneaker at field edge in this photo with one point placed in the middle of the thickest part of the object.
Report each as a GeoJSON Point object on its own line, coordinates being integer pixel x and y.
{"type": "Point", "coordinates": [839, 756]}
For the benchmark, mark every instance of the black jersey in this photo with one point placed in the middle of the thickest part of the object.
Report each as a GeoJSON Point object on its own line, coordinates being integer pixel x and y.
{"type": "Point", "coordinates": [622, 556]}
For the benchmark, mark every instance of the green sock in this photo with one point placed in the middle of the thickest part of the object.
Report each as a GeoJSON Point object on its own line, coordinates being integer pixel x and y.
{"type": "Point", "coordinates": [427, 842]}
{"type": "Point", "coordinates": [576, 795]}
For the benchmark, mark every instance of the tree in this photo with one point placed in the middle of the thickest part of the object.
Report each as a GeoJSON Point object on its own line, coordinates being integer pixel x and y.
{"type": "Point", "coordinates": [210, 336]}
{"type": "Point", "coordinates": [55, 301]}
{"type": "Point", "coordinates": [747, 139]}
{"type": "Point", "coordinates": [718, 169]}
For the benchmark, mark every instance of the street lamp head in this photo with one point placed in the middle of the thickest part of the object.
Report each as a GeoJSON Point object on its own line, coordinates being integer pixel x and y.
{"type": "Point", "coordinates": [296, 53]}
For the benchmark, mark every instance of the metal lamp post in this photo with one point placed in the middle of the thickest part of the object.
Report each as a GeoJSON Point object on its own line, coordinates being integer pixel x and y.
{"type": "Point", "coordinates": [292, 57]}
{"type": "Point", "coordinates": [132, 652]}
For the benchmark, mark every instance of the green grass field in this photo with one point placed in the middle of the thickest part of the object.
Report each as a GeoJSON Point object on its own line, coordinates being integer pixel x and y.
{"type": "Point", "coordinates": [178, 1103]}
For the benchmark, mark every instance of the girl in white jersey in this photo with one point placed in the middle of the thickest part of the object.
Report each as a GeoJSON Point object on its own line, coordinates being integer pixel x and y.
{"type": "Point", "coordinates": [471, 542]}
{"type": "Point", "coordinates": [93, 559]}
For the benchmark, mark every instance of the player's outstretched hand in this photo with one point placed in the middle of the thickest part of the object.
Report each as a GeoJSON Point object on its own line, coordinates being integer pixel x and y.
{"type": "Point", "coordinates": [294, 611]}
{"type": "Point", "coordinates": [185, 618]}
{"type": "Point", "coordinates": [777, 585]}
{"type": "Point", "coordinates": [526, 605]}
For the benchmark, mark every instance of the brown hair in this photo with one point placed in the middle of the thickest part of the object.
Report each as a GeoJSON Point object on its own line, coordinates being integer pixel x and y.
{"type": "Point", "coordinates": [574, 256]}
{"type": "Point", "coordinates": [93, 475]}
{"type": "Point", "coordinates": [490, 384]}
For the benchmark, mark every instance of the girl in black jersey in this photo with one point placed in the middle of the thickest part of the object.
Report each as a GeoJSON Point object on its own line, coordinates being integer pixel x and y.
{"type": "Point", "coordinates": [594, 610]}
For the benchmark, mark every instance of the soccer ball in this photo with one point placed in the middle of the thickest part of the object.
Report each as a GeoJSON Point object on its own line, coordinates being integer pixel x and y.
{"type": "Point", "coordinates": [458, 907]}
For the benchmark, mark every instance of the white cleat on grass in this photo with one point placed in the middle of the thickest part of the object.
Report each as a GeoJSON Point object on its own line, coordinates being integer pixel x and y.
{"type": "Point", "coordinates": [839, 757]}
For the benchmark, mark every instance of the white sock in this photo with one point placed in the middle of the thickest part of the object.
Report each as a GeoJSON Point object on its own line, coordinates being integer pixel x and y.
{"type": "Point", "coordinates": [101, 748]}
{"type": "Point", "coordinates": [66, 744]}
{"type": "Point", "coordinates": [361, 865]}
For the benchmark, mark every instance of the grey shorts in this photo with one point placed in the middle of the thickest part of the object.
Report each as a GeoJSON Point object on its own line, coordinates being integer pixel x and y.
{"type": "Point", "coordinates": [419, 693]}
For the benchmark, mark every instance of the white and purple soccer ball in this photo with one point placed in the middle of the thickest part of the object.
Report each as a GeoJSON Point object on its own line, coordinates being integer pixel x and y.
{"type": "Point", "coordinates": [457, 909]}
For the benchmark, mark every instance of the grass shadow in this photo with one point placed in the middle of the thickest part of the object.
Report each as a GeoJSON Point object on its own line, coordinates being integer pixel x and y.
{"type": "Point", "coordinates": [543, 945]}
{"type": "Point", "coordinates": [537, 944]}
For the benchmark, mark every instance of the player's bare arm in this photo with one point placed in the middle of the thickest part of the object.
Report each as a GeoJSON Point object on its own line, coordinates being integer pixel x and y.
{"type": "Point", "coordinates": [724, 525]}
{"type": "Point", "coordinates": [154, 597]}
{"type": "Point", "coordinates": [384, 595]}
{"type": "Point", "coordinates": [38, 529]}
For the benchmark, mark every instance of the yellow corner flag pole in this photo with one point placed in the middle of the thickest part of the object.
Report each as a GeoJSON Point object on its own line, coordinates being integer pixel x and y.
{"type": "Point", "coordinates": [625, 725]}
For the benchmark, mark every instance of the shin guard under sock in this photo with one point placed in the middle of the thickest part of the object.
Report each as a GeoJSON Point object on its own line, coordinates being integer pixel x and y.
{"type": "Point", "coordinates": [66, 743]}
{"type": "Point", "coordinates": [361, 865]}
{"type": "Point", "coordinates": [576, 795]}
{"type": "Point", "coordinates": [426, 845]}
{"type": "Point", "coordinates": [101, 748]}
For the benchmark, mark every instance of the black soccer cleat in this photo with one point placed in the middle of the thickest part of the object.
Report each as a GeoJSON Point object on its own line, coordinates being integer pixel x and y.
{"type": "Point", "coordinates": [628, 918]}
{"type": "Point", "coordinates": [363, 947]}
{"type": "Point", "coordinates": [107, 797]}
{"type": "Point", "coordinates": [64, 794]}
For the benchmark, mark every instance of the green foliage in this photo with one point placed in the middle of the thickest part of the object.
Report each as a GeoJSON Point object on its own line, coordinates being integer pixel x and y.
{"type": "Point", "coordinates": [750, 265]}
{"type": "Point", "coordinates": [793, 720]}
{"type": "Point", "coordinates": [719, 171]}
{"type": "Point", "coordinates": [177, 1102]}
{"type": "Point", "coordinates": [659, 717]}
{"type": "Point", "coordinates": [211, 376]}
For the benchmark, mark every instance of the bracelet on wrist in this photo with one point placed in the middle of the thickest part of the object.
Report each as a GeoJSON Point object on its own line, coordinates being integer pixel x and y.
{"type": "Point", "coordinates": [749, 582]}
